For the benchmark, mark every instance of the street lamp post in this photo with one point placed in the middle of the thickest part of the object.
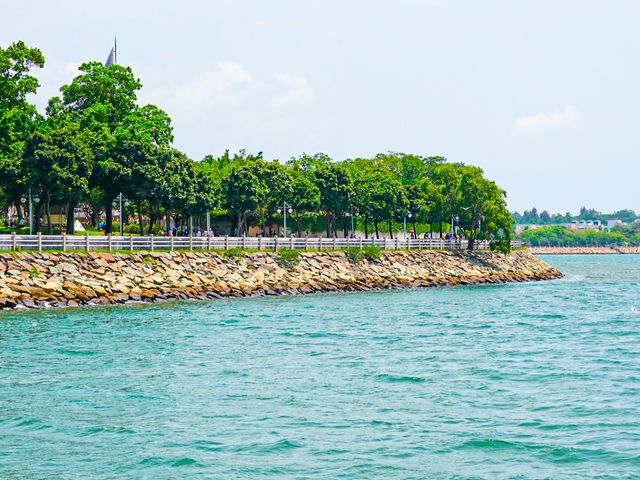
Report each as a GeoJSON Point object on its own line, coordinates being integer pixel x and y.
{"type": "Point", "coordinates": [407, 215]}
{"type": "Point", "coordinates": [352, 215]}
{"type": "Point", "coordinates": [454, 219]}
{"type": "Point", "coordinates": [34, 199]}
{"type": "Point", "coordinates": [285, 207]}
{"type": "Point", "coordinates": [126, 204]}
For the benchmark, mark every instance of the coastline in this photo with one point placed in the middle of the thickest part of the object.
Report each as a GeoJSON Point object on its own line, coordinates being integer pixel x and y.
{"type": "Point", "coordinates": [583, 250]}
{"type": "Point", "coordinates": [45, 280]}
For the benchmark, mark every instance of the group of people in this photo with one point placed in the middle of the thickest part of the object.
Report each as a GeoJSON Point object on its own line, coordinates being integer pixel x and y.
{"type": "Point", "coordinates": [184, 232]}
{"type": "Point", "coordinates": [15, 222]}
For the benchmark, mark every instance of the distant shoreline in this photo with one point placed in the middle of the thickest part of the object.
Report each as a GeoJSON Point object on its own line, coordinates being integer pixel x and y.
{"type": "Point", "coordinates": [584, 250]}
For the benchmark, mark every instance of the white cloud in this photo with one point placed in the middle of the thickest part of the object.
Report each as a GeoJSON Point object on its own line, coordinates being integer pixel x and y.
{"type": "Point", "coordinates": [226, 86]}
{"type": "Point", "coordinates": [292, 91]}
{"type": "Point", "coordinates": [229, 91]}
{"type": "Point", "coordinates": [540, 123]}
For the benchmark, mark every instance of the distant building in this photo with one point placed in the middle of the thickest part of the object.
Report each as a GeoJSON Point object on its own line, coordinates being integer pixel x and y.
{"type": "Point", "coordinates": [613, 223]}
{"type": "Point", "coordinates": [583, 225]}
{"type": "Point", "coordinates": [521, 227]}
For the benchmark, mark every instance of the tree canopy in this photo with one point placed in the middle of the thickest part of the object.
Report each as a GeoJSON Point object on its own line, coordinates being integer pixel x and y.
{"type": "Point", "coordinates": [96, 142]}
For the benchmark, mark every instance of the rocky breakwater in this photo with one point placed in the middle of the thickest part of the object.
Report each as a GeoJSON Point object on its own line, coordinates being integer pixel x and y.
{"type": "Point", "coordinates": [41, 280]}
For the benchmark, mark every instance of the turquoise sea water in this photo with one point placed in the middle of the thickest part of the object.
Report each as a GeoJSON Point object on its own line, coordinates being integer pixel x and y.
{"type": "Point", "coordinates": [524, 381]}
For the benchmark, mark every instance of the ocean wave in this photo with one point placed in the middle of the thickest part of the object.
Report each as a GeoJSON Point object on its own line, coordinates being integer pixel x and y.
{"type": "Point", "coordinates": [399, 378]}
{"type": "Point", "coordinates": [554, 454]}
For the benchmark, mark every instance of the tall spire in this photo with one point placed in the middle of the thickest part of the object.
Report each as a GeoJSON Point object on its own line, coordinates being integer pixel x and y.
{"type": "Point", "coordinates": [113, 55]}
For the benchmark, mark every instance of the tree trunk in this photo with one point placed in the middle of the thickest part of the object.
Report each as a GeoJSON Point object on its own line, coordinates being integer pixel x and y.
{"type": "Point", "coordinates": [95, 216]}
{"type": "Point", "coordinates": [49, 214]}
{"type": "Point", "coordinates": [109, 214]}
{"type": "Point", "coordinates": [298, 225]}
{"type": "Point", "coordinates": [71, 221]}
{"type": "Point", "coordinates": [238, 225]}
{"type": "Point", "coordinates": [375, 224]}
{"type": "Point", "coordinates": [366, 227]}
{"type": "Point", "coordinates": [140, 221]}
{"type": "Point", "coordinates": [472, 241]}
{"type": "Point", "coordinates": [152, 221]}
{"type": "Point", "coordinates": [327, 220]}
{"type": "Point", "coordinates": [345, 228]}
{"type": "Point", "coordinates": [390, 229]}
{"type": "Point", "coordinates": [37, 213]}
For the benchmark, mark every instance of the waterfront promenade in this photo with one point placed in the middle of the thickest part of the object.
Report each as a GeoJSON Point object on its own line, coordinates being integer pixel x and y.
{"type": "Point", "coordinates": [151, 243]}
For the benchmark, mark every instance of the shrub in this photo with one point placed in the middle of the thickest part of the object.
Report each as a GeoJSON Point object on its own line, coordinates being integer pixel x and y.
{"type": "Point", "coordinates": [354, 254]}
{"type": "Point", "coordinates": [371, 252]}
{"type": "Point", "coordinates": [157, 230]}
{"type": "Point", "coordinates": [288, 258]}
{"type": "Point", "coordinates": [132, 228]}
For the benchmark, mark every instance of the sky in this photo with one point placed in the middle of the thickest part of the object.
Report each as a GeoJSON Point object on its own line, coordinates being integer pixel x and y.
{"type": "Point", "coordinates": [542, 94]}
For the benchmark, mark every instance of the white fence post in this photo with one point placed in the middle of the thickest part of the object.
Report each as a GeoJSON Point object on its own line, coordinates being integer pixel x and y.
{"type": "Point", "coordinates": [226, 242]}
{"type": "Point", "coordinates": [151, 241]}
{"type": "Point", "coordinates": [275, 246]}
{"type": "Point", "coordinates": [14, 241]}
{"type": "Point", "coordinates": [64, 242]}
{"type": "Point", "coordinates": [86, 242]}
{"type": "Point", "coordinates": [131, 242]}
{"type": "Point", "coordinates": [109, 242]}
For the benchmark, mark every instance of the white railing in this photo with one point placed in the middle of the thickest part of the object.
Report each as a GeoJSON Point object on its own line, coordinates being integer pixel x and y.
{"type": "Point", "coordinates": [132, 243]}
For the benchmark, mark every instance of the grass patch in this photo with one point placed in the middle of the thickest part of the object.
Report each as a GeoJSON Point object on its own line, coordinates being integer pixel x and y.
{"type": "Point", "coordinates": [288, 258]}
{"type": "Point", "coordinates": [34, 272]}
{"type": "Point", "coordinates": [356, 254]}
{"type": "Point", "coordinates": [235, 252]}
{"type": "Point", "coordinates": [372, 252]}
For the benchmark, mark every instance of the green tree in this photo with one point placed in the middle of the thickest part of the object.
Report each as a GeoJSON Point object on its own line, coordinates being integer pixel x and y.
{"type": "Point", "coordinates": [18, 117]}
{"type": "Point", "coordinates": [101, 99]}
{"type": "Point", "coordinates": [242, 191]}
{"type": "Point", "coordinates": [483, 210]}
{"type": "Point", "coordinates": [304, 196]}
{"type": "Point", "coordinates": [334, 183]}
{"type": "Point", "coordinates": [58, 163]}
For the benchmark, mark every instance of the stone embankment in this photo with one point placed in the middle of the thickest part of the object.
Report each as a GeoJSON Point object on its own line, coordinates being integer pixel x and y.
{"type": "Point", "coordinates": [40, 280]}
{"type": "Point", "coordinates": [583, 250]}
